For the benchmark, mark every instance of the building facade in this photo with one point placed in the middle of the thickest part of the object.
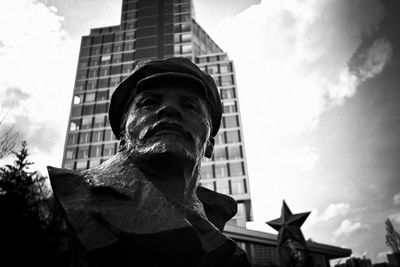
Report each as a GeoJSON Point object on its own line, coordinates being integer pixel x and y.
{"type": "Point", "coordinates": [154, 29]}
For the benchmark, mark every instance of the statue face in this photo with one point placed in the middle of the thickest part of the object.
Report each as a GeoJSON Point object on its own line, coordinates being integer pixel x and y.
{"type": "Point", "coordinates": [170, 120]}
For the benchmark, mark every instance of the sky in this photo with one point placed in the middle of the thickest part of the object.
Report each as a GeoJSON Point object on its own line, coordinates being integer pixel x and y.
{"type": "Point", "coordinates": [318, 94]}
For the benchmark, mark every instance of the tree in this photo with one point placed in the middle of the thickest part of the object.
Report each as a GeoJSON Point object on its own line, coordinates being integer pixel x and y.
{"type": "Point", "coordinates": [29, 227]}
{"type": "Point", "coordinates": [392, 239]}
{"type": "Point", "coordinates": [8, 139]}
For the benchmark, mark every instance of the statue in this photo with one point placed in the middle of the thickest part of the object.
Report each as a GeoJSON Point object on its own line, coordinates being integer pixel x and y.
{"type": "Point", "coordinates": [144, 206]}
{"type": "Point", "coordinates": [291, 247]}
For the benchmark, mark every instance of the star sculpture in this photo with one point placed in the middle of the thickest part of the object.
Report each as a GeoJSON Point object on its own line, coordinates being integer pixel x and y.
{"type": "Point", "coordinates": [288, 225]}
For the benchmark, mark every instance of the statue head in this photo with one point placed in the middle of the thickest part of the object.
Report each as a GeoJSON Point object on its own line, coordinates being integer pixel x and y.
{"type": "Point", "coordinates": [166, 108]}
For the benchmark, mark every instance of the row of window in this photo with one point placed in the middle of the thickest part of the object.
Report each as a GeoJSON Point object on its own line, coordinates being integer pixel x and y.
{"type": "Point", "coordinates": [89, 122]}
{"type": "Point", "coordinates": [93, 151]}
{"type": "Point", "coordinates": [229, 152]}
{"type": "Point", "coordinates": [107, 59]}
{"type": "Point", "coordinates": [230, 187]}
{"type": "Point", "coordinates": [217, 68]}
{"type": "Point", "coordinates": [83, 164]}
{"type": "Point", "coordinates": [104, 71]}
{"type": "Point", "coordinates": [83, 110]}
{"type": "Point", "coordinates": [98, 83]}
{"type": "Point", "coordinates": [107, 38]}
{"type": "Point", "coordinates": [227, 137]}
{"type": "Point", "coordinates": [215, 58]}
{"type": "Point", "coordinates": [222, 170]}
{"type": "Point", "coordinates": [183, 8]}
{"type": "Point", "coordinates": [224, 80]}
{"type": "Point", "coordinates": [90, 137]}
{"type": "Point", "coordinates": [91, 97]}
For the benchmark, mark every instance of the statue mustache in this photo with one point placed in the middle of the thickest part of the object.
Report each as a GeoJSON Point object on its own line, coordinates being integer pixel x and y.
{"type": "Point", "coordinates": [167, 125]}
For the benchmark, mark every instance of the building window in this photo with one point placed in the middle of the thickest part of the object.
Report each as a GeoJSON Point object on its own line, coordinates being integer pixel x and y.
{"type": "Point", "coordinates": [76, 111]}
{"type": "Point", "coordinates": [104, 71]}
{"type": "Point", "coordinates": [106, 50]}
{"type": "Point", "coordinates": [69, 165]}
{"type": "Point", "coordinates": [81, 165]}
{"type": "Point", "coordinates": [109, 150]}
{"type": "Point", "coordinates": [94, 61]}
{"type": "Point", "coordinates": [129, 46]}
{"type": "Point", "coordinates": [238, 186]}
{"type": "Point", "coordinates": [221, 170]}
{"type": "Point", "coordinates": [72, 139]}
{"type": "Point", "coordinates": [130, 35]}
{"type": "Point", "coordinates": [91, 85]}
{"type": "Point", "coordinates": [101, 108]}
{"type": "Point", "coordinates": [230, 107]}
{"type": "Point", "coordinates": [94, 162]}
{"type": "Point", "coordinates": [108, 135]}
{"type": "Point", "coordinates": [98, 122]}
{"type": "Point", "coordinates": [83, 63]}
{"type": "Point", "coordinates": [88, 110]}
{"type": "Point", "coordinates": [236, 169]}
{"type": "Point", "coordinates": [102, 95]}
{"type": "Point", "coordinates": [95, 151]}
{"type": "Point", "coordinates": [186, 49]}
{"type": "Point", "coordinates": [117, 58]}
{"type": "Point", "coordinates": [225, 68]}
{"type": "Point", "coordinates": [90, 97]}
{"type": "Point", "coordinates": [78, 99]}
{"type": "Point", "coordinates": [114, 81]}
{"type": "Point", "coordinates": [117, 48]}
{"type": "Point", "coordinates": [227, 93]}
{"type": "Point", "coordinates": [81, 74]}
{"type": "Point", "coordinates": [103, 83]}
{"type": "Point", "coordinates": [86, 123]}
{"type": "Point", "coordinates": [75, 125]}
{"type": "Point", "coordinates": [127, 68]}
{"type": "Point", "coordinates": [232, 136]}
{"type": "Point", "coordinates": [223, 186]}
{"type": "Point", "coordinates": [235, 152]}
{"type": "Point", "coordinates": [231, 121]}
{"type": "Point", "coordinates": [220, 153]}
{"type": "Point", "coordinates": [206, 172]}
{"type": "Point", "coordinates": [226, 80]}
{"type": "Point", "coordinates": [83, 152]}
{"type": "Point", "coordinates": [220, 138]}
{"type": "Point", "coordinates": [96, 51]}
{"type": "Point", "coordinates": [97, 136]}
{"type": "Point", "coordinates": [79, 86]}
{"type": "Point", "coordinates": [84, 138]}
{"type": "Point", "coordinates": [70, 154]}
{"type": "Point", "coordinates": [212, 69]}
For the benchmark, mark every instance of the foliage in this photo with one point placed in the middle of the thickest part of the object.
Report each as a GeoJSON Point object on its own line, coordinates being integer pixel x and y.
{"type": "Point", "coordinates": [392, 237]}
{"type": "Point", "coordinates": [28, 225]}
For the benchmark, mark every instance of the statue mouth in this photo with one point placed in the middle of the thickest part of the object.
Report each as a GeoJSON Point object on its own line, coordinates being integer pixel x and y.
{"type": "Point", "coordinates": [169, 128]}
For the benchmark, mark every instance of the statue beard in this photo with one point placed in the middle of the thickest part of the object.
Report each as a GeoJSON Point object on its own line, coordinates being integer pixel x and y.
{"type": "Point", "coordinates": [161, 151]}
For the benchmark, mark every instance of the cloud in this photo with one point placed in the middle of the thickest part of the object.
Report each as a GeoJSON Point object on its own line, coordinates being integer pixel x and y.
{"type": "Point", "coordinates": [292, 64]}
{"type": "Point", "coordinates": [348, 227]}
{"type": "Point", "coordinates": [37, 66]}
{"type": "Point", "coordinates": [395, 218]}
{"type": "Point", "coordinates": [396, 199]}
{"type": "Point", "coordinates": [333, 211]}
{"type": "Point", "coordinates": [12, 97]}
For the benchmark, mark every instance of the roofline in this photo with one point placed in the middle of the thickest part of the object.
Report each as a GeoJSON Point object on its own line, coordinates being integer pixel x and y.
{"type": "Point", "coordinates": [244, 234]}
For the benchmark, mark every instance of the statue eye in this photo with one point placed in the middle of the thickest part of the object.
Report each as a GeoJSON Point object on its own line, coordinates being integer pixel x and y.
{"type": "Point", "coordinates": [147, 102]}
{"type": "Point", "coordinates": [190, 105]}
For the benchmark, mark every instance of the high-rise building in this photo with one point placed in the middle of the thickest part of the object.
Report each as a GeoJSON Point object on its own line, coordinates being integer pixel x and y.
{"type": "Point", "coordinates": [154, 29]}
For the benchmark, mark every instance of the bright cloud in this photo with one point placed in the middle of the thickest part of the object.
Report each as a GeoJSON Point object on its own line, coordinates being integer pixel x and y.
{"type": "Point", "coordinates": [37, 63]}
{"type": "Point", "coordinates": [348, 227]}
{"type": "Point", "coordinates": [396, 199]}
{"type": "Point", "coordinates": [292, 64]}
{"type": "Point", "coordinates": [333, 211]}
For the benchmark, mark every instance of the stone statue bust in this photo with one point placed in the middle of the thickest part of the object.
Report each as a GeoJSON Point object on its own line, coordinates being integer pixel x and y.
{"type": "Point", "coordinates": [144, 206]}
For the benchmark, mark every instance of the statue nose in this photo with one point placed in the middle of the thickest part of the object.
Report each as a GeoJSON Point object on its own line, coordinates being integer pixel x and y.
{"type": "Point", "coordinates": [169, 111]}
